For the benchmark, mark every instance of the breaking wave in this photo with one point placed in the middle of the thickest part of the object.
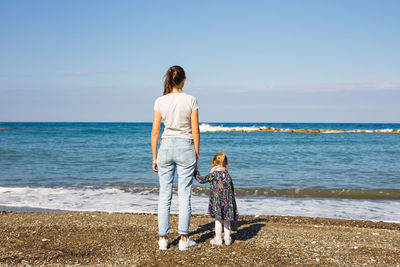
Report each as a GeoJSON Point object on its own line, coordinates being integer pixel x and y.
{"type": "Point", "coordinates": [204, 127]}
{"type": "Point", "coordinates": [374, 194]}
{"type": "Point", "coordinates": [118, 200]}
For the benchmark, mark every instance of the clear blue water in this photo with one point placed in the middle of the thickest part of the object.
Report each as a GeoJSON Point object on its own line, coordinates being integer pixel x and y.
{"type": "Point", "coordinates": [118, 155]}
{"type": "Point", "coordinates": [99, 154]}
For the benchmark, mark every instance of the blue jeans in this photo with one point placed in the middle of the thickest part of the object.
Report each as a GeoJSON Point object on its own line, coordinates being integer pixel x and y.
{"type": "Point", "coordinates": [175, 155]}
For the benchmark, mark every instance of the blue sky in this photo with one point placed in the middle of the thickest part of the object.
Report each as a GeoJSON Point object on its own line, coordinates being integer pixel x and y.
{"type": "Point", "coordinates": [264, 61]}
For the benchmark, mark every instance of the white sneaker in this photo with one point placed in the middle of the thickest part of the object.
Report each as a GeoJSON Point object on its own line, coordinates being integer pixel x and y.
{"type": "Point", "coordinates": [216, 241]}
{"type": "Point", "coordinates": [185, 245]}
{"type": "Point", "coordinates": [163, 243]}
{"type": "Point", "coordinates": [228, 241]}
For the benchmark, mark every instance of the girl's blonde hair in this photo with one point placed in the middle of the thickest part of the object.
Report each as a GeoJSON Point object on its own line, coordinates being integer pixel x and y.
{"type": "Point", "coordinates": [220, 159]}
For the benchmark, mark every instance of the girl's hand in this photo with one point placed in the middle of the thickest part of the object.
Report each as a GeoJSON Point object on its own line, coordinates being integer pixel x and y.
{"type": "Point", "coordinates": [154, 166]}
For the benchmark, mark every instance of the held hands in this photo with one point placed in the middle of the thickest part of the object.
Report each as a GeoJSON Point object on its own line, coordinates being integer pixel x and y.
{"type": "Point", "coordinates": [196, 168]}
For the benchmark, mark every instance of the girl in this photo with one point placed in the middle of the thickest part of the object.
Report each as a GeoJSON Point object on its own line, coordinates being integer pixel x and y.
{"type": "Point", "coordinates": [222, 205]}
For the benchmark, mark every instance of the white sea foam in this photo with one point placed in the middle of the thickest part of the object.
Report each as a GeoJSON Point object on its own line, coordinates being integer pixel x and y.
{"type": "Point", "coordinates": [331, 131]}
{"type": "Point", "coordinates": [204, 127]}
{"type": "Point", "coordinates": [116, 200]}
{"type": "Point", "coordinates": [365, 131]}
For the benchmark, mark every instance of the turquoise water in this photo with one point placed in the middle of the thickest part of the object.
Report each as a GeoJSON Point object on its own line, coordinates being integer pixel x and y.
{"type": "Point", "coordinates": [117, 156]}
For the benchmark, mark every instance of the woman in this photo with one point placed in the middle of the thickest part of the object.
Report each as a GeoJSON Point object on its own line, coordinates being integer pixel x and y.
{"type": "Point", "coordinates": [178, 152]}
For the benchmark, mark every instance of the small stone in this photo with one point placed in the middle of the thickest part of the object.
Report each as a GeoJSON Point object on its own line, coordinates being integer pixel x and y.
{"type": "Point", "coordinates": [355, 247]}
{"type": "Point", "coordinates": [375, 233]}
{"type": "Point", "coordinates": [313, 242]}
{"type": "Point", "coordinates": [45, 239]}
{"type": "Point", "coordinates": [317, 259]}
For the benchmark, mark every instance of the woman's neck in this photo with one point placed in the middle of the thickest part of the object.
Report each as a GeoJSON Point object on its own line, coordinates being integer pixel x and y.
{"type": "Point", "coordinates": [176, 90]}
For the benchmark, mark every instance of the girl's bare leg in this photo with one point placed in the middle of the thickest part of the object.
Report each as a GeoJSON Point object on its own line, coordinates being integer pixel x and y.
{"type": "Point", "coordinates": [218, 228]}
{"type": "Point", "coordinates": [227, 229]}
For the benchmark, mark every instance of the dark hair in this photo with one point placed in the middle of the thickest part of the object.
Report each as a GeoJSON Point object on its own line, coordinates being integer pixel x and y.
{"type": "Point", "coordinates": [173, 78]}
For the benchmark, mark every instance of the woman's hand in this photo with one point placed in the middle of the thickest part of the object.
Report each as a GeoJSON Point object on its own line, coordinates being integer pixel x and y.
{"type": "Point", "coordinates": [154, 166]}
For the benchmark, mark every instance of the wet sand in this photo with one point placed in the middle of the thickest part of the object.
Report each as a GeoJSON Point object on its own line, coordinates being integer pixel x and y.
{"type": "Point", "coordinates": [66, 238]}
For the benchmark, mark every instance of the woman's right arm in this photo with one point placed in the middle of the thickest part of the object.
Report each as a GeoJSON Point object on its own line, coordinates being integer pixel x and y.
{"type": "Point", "coordinates": [194, 119]}
{"type": "Point", "coordinates": [155, 133]}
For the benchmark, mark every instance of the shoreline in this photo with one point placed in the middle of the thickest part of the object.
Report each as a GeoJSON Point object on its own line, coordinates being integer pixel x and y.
{"type": "Point", "coordinates": [92, 238]}
{"type": "Point", "coordinates": [117, 201]}
{"type": "Point", "coordinates": [12, 209]}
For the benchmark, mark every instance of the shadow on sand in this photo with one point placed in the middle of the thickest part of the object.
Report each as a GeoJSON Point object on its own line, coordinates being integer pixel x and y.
{"type": "Point", "coordinates": [241, 230]}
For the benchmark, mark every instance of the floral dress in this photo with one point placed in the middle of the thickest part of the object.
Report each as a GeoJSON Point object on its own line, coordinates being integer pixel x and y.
{"type": "Point", "coordinates": [222, 203]}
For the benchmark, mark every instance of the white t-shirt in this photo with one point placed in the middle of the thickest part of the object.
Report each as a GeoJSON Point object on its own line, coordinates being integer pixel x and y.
{"type": "Point", "coordinates": [175, 110]}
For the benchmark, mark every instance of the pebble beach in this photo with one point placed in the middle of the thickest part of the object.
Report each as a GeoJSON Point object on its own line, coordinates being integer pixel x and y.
{"type": "Point", "coordinates": [126, 239]}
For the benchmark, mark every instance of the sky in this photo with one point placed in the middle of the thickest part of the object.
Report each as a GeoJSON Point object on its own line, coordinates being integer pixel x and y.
{"type": "Point", "coordinates": [245, 61]}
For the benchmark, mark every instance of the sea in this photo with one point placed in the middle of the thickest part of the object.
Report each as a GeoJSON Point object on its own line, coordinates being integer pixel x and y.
{"type": "Point", "coordinates": [106, 167]}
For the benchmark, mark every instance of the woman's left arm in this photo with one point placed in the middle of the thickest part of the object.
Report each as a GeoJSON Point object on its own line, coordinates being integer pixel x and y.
{"type": "Point", "coordinates": [194, 119]}
{"type": "Point", "coordinates": [155, 133]}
